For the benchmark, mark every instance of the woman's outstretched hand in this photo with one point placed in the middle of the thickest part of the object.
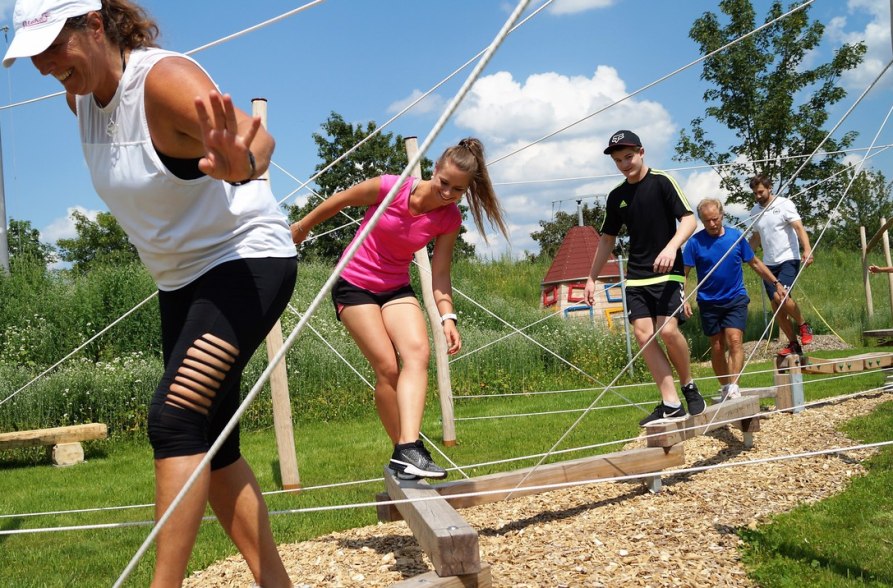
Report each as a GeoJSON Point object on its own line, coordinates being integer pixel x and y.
{"type": "Point", "coordinates": [226, 151]}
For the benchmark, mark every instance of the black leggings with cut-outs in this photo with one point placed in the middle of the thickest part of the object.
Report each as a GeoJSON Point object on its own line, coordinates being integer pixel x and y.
{"type": "Point", "coordinates": [209, 330]}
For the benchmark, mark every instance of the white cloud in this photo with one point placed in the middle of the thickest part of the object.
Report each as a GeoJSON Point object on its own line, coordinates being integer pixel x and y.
{"type": "Point", "coordinates": [508, 115]}
{"type": "Point", "coordinates": [63, 228]}
{"type": "Point", "coordinates": [576, 6]}
{"type": "Point", "coordinates": [431, 103]}
{"type": "Point", "coordinates": [875, 35]}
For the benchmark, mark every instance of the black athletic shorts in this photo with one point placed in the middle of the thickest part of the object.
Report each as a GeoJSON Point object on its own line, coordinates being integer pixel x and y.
{"type": "Point", "coordinates": [346, 294]}
{"type": "Point", "coordinates": [654, 300]}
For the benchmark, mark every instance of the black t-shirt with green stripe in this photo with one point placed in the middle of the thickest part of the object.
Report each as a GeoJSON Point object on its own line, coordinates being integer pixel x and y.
{"type": "Point", "coordinates": [649, 209]}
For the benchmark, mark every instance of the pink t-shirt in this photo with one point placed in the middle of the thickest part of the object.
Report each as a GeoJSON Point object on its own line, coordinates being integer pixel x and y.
{"type": "Point", "coordinates": [382, 261]}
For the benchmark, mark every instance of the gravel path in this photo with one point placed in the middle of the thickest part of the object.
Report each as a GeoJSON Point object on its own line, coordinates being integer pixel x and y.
{"type": "Point", "coordinates": [612, 534]}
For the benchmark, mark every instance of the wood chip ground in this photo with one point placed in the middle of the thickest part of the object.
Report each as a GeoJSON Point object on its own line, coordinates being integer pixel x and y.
{"type": "Point", "coordinates": [610, 534]}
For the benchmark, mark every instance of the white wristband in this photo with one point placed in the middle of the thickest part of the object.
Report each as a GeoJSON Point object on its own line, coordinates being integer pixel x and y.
{"type": "Point", "coordinates": [448, 316]}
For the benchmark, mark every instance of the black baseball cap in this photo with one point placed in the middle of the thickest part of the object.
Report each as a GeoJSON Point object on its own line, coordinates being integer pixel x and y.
{"type": "Point", "coordinates": [622, 139]}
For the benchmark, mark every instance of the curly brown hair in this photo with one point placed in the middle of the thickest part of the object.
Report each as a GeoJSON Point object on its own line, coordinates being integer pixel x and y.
{"type": "Point", "coordinates": [126, 24]}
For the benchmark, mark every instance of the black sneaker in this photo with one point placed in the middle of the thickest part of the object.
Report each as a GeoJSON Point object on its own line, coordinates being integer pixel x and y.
{"type": "Point", "coordinates": [664, 414]}
{"type": "Point", "coordinates": [693, 399]}
{"type": "Point", "coordinates": [412, 459]}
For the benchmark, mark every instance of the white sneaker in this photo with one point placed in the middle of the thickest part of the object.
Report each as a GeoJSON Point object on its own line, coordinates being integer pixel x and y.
{"type": "Point", "coordinates": [733, 391]}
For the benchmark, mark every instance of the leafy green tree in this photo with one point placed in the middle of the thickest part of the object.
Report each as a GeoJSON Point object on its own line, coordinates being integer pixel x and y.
{"type": "Point", "coordinates": [868, 201]}
{"type": "Point", "coordinates": [552, 232]}
{"type": "Point", "coordinates": [25, 245]}
{"type": "Point", "coordinates": [99, 242]}
{"type": "Point", "coordinates": [764, 91]}
{"type": "Point", "coordinates": [382, 154]}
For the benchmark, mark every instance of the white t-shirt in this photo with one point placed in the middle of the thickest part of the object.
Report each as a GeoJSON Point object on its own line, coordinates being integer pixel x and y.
{"type": "Point", "coordinates": [181, 228]}
{"type": "Point", "coordinates": [777, 236]}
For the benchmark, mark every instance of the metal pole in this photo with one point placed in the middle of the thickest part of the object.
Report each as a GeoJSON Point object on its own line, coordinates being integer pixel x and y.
{"type": "Point", "coordinates": [629, 348]}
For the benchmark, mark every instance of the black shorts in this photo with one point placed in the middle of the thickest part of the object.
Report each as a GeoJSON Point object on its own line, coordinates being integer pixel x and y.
{"type": "Point", "coordinates": [346, 294]}
{"type": "Point", "coordinates": [654, 300]}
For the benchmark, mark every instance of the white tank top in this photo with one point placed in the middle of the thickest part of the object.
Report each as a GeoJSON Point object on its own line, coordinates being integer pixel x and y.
{"type": "Point", "coordinates": [181, 228]}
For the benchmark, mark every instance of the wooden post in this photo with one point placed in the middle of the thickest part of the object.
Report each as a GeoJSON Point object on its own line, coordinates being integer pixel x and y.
{"type": "Point", "coordinates": [788, 384]}
{"type": "Point", "coordinates": [441, 359]}
{"type": "Point", "coordinates": [869, 303]}
{"type": "Point", "coordinates": [886, 242]}
{"type": "Point", "coordinates": [285, 433]}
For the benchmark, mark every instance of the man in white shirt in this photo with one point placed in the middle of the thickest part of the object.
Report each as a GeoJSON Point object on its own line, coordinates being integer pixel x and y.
{"type": "Point", "coordinates": [776, 225]}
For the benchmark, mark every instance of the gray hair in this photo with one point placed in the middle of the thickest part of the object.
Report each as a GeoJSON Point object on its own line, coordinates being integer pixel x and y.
{"type": "Point", "coordinates": [710, 202]}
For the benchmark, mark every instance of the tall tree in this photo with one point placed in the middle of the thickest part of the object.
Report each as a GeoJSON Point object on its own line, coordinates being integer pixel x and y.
{"type": "Point", "coordinates": [777, 106]}
{"type": "Point", "coordinates": [552, 232]}
{"type": "Point", "coordinates": [868, 201]}
{"type": "Point", "coordinates": [382, 154]}
{"type": "Point", "coordinates": [98, 242]}
{"type": "Point", "coordinates": [25, 245]}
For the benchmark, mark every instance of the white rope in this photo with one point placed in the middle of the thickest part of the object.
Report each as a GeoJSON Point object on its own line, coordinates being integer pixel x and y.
{"type": "Point", "coordinates": [406, 109]}
{"type": "Point", "coordinates": [683, 168]}
{"type": "Point", "coordinates": [375, 480]}
{"type": "Point", "coordinates": [656, 82]}
{"type": "Point", "coordinates": [441, 122]}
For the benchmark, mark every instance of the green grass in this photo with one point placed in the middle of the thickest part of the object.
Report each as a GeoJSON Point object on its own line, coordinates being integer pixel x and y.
{"type": "Point", "coordinates": [842, 541]}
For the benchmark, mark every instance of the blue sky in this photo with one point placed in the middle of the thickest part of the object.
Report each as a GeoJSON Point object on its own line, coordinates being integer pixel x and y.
{"type": "Point", "coordinates": [365, 60]}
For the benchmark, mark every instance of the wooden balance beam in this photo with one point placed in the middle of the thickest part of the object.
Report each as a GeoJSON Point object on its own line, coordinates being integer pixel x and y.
{"type": "Point", "coordinates": [63, 443]}
{"type": "Point", "coordinates": [450, 542]}
{"type": "Point", "coordinates": [854, 363]}
{"type": "Point", "coordinates": [745, 411]}
{"type": "Point", "coordinates": [644, 460]}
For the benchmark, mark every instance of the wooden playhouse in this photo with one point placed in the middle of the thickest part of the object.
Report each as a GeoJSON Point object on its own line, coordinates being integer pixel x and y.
{"type": "Point", "coordinates": [564, 283]}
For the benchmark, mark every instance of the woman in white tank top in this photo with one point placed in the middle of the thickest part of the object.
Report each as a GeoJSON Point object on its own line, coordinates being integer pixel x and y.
{"type": "Point", "coordinates": [176, 162]}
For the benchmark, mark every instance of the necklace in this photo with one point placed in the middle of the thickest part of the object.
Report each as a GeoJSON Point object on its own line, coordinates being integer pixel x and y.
{"type": "Point", "coordinates": [111, 129]}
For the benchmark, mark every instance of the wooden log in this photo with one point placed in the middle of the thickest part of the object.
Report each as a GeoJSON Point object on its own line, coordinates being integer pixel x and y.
{"type": "Point", "coordinates": [713, 417]}
{"type": "Point", "coordinates": [482, 579]}
{"type": "Point", "coordinates": [621, 463]}
{"type": "Point", "coordinates": [66, 454]}
{"type": "Point", "coordinates": [53, 436]}
{"type": "Point", "coordinates": [450, 542]}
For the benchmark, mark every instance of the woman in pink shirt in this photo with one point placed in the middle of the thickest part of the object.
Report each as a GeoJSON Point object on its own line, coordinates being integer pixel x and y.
{"type": "Point", "coordinates": [374, 298]}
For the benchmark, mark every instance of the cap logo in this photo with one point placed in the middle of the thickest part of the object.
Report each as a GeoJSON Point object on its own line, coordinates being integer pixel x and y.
{"type": "Point", "coordinates": [33, 22]}
{"type": "Point", "coordinates": [617, 138]}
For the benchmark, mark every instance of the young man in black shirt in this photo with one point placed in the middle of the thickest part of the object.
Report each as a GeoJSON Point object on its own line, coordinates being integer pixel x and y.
{"type": "Point", "coordinates": [649, 202]}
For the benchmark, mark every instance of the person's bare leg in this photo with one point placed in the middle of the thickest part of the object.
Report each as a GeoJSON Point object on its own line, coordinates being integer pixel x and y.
{"type": "Point", "coordinates": [657, 362]}
{"type": "Point", "coordinates": [406, 328]}
{"type": "Point", "coordinates": [677, 347]}
{"type": "Point", "coordinates": [735, 344]}
{"type": "Point", "coordinates": [365, 324]}
{"type": "Point", "coordinates": [239, 505]}
{"type": "Point", "coordinates": [718, 358]}
{"type": "Point", "coordinates": [784, 322]}
{"type": "Point", "coordinates": [177, 537]}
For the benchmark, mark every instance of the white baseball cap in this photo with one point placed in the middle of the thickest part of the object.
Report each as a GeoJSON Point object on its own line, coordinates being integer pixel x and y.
{"type": "Point", "coordinates": [39, 22]}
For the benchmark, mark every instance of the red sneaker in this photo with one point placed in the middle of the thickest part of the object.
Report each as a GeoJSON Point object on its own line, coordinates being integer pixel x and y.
{"type": "Point", "coordinates": [805, 334]}
{"type": "Point", "coordinates": [791, 348]}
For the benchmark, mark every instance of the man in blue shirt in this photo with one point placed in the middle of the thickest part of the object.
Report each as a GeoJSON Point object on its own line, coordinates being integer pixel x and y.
{"type": "Point", "coordinates": [717, 253]}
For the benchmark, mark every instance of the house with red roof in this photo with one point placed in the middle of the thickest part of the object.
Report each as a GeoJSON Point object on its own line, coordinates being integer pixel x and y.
{"type": "Point", "coordinates": [565, 282]}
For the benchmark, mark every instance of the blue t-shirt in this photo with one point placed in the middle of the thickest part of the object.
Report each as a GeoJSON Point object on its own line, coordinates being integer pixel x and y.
{"type": "Point", "coordinates": [702, 252]}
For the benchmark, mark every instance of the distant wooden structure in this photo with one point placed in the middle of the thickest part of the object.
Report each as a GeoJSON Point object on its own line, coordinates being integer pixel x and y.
{"type": "Point", "coordinates": [563, 285]}
{"type": "Point", "coordinates": [881, 236]}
